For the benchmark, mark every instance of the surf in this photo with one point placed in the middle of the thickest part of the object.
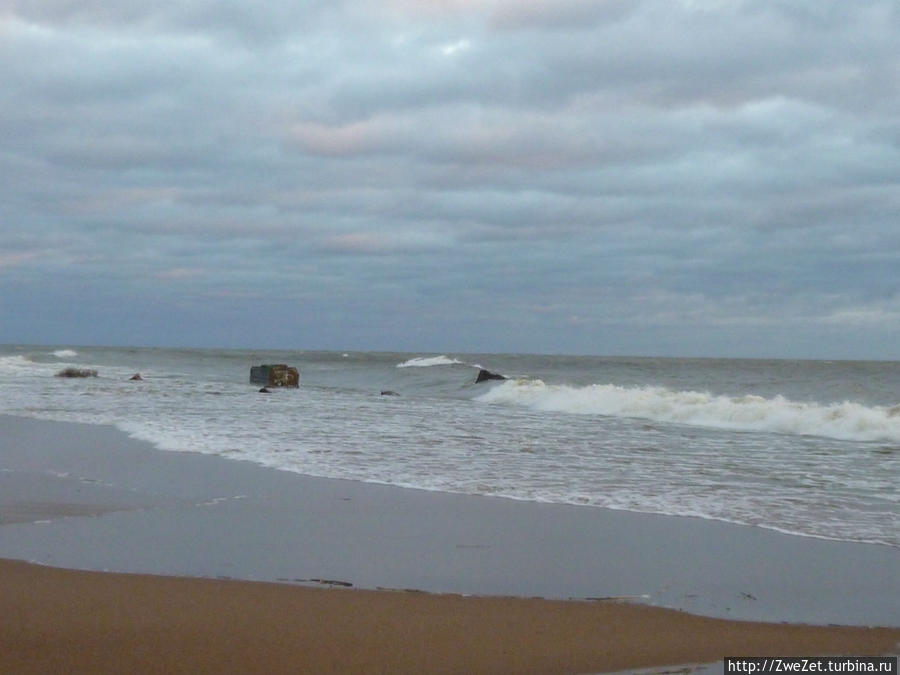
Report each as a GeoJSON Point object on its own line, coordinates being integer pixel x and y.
{"type": "Point", "coordinates": [431, 361]}
{"type": "Point", "coordinates": [848, 421]}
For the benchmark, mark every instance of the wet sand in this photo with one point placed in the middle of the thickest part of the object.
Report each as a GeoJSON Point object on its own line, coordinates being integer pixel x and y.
{"type": "Point", "coordinates": [68, 621]}
{"type": "Point", "coordinates": [90, 498]}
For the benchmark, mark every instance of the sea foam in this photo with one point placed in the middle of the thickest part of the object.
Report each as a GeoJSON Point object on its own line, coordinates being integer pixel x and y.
{"type": "Point", "coordinates": [16, 365]}
{"type": "Point", "coordinates": [428, 361]}
{"type": "Point", "coordinates": [844, 421]}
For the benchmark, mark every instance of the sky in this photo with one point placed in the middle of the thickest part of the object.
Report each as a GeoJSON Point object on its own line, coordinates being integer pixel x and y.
{"type": "Point", "coordinates": [611, 177]}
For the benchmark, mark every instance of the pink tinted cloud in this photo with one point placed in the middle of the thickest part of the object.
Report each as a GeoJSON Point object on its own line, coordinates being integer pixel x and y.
{"type": "Point", "coordinates": [355, 242]}
{"type": "Point", "coordinates": [341, 140]}
{"type": "Point", "coordinates": [16, 259]}
{"type": "Point", "coordinates": [179, 273]}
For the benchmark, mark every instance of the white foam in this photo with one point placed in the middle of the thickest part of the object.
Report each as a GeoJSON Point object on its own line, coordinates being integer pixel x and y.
{"type": "Point", "coordinates": [65, 353]}
{"type": "Point", "coordinates": [815, 487]}
{"type": "Point", "coordinates": [18, 365]}
{"type": "Point", "coordinates": [428, 361]}
{"type": "Point", "coordinates": [844, 421]}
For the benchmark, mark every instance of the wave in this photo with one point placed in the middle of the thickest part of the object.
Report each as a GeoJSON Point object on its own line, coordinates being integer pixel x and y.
{"type": "Point", "coordinates": [844, 421]}
{"type": "Point", "coordinates": [33, 363]}
{"type": "Point", "coordinates": [428, 361]}
{"type": "Point", "coordinates": [16, 365]}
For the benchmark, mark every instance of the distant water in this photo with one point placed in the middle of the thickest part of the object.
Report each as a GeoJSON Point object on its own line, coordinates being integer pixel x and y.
{"type": "Point", "coordinates": [804, 447]}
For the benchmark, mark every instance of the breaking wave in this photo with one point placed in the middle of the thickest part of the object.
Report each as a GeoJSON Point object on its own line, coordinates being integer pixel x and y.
{"type": "Point", "coordinates": [427, 361]}
{"type": "Point", "coordinates": [844, 421]}
{"type": "Point", "coordinates": [65, 353]}
{"type": "Point", "coordinates": [15, 365]}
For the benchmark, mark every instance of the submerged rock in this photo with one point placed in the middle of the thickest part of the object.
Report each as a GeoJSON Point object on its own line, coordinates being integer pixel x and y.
{"type": "Point", "coordinates": [264, 391]}
{"type": "Point", "coordinates": [388, 392]}
{"type": "Point", "coordinates": [76, 372]}
{"type": "Point", "coordinates": [136, 377]}
{"type": "Point", "coordinates": [484, 375]}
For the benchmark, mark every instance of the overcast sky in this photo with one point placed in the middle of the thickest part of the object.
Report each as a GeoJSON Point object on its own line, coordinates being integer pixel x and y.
{"type": "Point", "coordinates": [664, 177]}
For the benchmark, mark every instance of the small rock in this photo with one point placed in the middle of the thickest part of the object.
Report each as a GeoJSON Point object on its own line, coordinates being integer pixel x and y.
{"type": "Point", "coordinates": [484, 375]}
{"type": "Point", "coordinates": [76, 372]}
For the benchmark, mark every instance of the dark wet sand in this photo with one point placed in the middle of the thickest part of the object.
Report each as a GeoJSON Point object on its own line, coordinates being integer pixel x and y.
{"type": "Point", "coordinates": [88, 497]}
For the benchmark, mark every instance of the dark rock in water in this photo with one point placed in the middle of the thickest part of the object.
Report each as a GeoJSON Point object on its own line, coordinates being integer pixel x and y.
{"type": "Point", "coordinates": [76, 372]}
{"type": "Point", "coordinates": [264, 391]}
{"type": "Point", "coordinates": [136, 377]}
{"type": "Point", "coordinates": [388, 392]}
{"type": "Point", "coordinates": [484, 375]}
{"type": "Point", "coordinates": [275, 375]}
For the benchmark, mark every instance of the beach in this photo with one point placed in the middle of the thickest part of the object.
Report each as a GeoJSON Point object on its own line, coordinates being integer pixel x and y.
{"type": "Point", "coordinates": [67, 621]}
{"type": "Point", "coordinates": [358, 577]}
{"type": "Point", "coordinates": [471, 336]}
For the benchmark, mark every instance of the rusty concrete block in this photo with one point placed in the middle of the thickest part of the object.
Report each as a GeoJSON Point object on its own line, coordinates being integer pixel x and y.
{"type": "Point", "coordinates": [275, 375]}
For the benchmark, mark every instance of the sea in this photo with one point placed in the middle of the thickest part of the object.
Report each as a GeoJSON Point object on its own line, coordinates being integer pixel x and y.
{"type": "Point", "coordinates": [810, 448]}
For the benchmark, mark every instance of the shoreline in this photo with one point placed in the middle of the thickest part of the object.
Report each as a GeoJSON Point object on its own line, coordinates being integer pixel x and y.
{"type": "Point", "coordinates": [189, 514]}
{"type": "Point", "coordinates": [84, 497]}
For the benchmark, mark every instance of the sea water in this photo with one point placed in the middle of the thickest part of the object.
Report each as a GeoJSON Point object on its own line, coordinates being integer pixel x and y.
{"type": "Point", "coordinates": [805, 447]}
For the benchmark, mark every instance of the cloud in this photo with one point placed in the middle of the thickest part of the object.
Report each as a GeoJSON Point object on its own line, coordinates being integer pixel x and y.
{"type": "Point", "coordinates": [681, 166]}
{"type": "Point", "coordinates": [872, 315]}
{"type": "Point", "coordinates": [353, 138]}
{"type": "Point", "coordinates": [179, 273]}
{"type": "Point", "coordinates": [14, 259]}
{"type": "Point", "coordinates": [456, 47]}
{"type": "Point", "coordinates": [379, 243]}
{"type": "Point", "coordinates": [544, 14]}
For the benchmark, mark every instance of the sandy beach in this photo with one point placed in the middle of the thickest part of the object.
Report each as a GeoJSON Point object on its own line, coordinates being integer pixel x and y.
{"type": "Point", "coordinates": [185, 533]}
{"type": "Point", "coordinates": [69, 621]}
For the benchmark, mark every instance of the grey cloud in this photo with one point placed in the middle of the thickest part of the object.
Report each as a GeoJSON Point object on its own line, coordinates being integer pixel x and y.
{"type": "Point", "coordinates": [659, 57]}
{"type": "Point", "coordinates": [539, 15]}
{"type": "Point", "coordinates": [597, 166]}
{"type": "Point", "coordinates": [231, 20]}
